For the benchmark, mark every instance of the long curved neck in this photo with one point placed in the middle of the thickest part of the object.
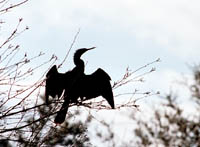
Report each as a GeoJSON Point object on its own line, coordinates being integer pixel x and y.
{"type": "Point", "coordinates": [78, 61]}
{"type": "Point", "coordinates": [80, 66]}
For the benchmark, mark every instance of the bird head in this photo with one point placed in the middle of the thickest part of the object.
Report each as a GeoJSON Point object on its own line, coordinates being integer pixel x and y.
{"type": "Point", "coordinates": [79, 53]}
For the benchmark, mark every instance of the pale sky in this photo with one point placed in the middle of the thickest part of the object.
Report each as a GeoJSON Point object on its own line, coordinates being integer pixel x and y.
{"type": "Point", "coordinates": [127, 33]}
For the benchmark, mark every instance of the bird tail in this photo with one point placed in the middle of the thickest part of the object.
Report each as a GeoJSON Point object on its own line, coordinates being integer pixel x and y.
{"type": "Point", "coordinates": [60, 117]}
{"type": "Point", "coordinates": [108, 95]}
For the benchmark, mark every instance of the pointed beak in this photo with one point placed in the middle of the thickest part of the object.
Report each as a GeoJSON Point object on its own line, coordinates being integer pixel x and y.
{"type": "Point", "coordinates": [91, 48]}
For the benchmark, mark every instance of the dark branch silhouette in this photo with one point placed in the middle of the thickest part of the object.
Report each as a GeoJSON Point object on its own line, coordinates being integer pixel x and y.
{"type": "Point", "coordinates": [76, 84]}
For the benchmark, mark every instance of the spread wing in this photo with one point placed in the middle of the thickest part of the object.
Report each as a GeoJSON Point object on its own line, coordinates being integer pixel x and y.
{"type": "Point", "coordinates": [101, 74]}
{"type": "Point", "coordinates": [94, 85]}
{"type": "Point", "coordinates": [54, 83]}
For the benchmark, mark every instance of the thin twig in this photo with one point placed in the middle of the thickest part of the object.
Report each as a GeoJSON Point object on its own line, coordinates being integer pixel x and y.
{"type": "Point", "coordinates": [13, 6]}
{"type": "Point", "coordinates": [74, 40]}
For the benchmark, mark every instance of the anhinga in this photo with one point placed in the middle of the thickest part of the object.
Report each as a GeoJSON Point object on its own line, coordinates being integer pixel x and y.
{"type": "Point", "coordinates": [76, 84]}
{"type": "Point", "coordinates": [57, 82]}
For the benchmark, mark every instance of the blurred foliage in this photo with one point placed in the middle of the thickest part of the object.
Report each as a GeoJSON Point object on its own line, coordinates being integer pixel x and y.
{"type": "Point", "coordinates": [170, 125]}
{"type": "Point", "coordinates": [71, 133]}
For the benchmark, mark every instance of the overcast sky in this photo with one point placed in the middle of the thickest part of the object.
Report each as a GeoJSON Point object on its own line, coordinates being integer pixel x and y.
{"type": "Point", "coordinates": [127, 33]}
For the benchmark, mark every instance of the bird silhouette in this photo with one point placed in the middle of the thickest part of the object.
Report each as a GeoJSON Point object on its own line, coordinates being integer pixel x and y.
{"type": "Point", "coordinates": [57, 82]}
{"type": "Point", "coordinates": [77, 85]}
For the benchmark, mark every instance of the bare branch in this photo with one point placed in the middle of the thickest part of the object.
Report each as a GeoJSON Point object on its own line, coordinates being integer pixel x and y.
{"type": "Point", "coordinates": [74, 40]}
{"type": "Point", "coordinates": [12, 6]}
